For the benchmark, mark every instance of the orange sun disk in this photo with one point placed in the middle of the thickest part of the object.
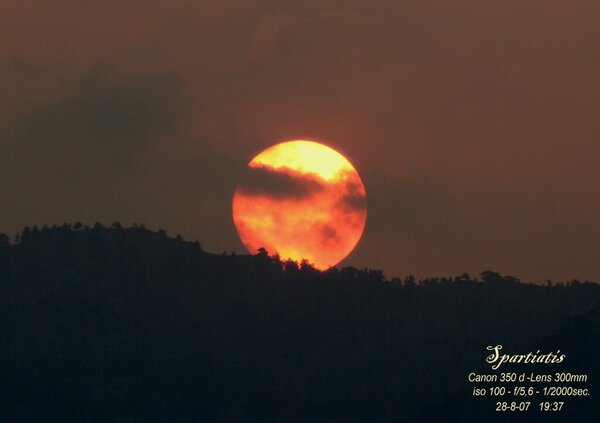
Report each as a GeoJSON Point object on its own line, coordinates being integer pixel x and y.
{"type": "Point", "coordinates": [301, 200]}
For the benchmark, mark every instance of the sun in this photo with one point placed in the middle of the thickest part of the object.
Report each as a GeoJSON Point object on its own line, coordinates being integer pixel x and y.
{"type": "Point", "coordinates": [301, 200]}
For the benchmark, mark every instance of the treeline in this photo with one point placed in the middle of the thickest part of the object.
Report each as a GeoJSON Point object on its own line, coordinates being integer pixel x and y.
{"type": "Point", "coordinates": [49, 232]}
{"type": "Point", "coordinates": [66, 232]}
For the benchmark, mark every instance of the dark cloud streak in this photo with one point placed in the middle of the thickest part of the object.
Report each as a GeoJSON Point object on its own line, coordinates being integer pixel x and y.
{"type": "Point", "coordinates": [354, 199]}
{"type": "Point", "coordinates": [280, 183]}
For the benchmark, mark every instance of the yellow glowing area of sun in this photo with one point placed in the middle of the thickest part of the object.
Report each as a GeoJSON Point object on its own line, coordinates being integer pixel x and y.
{"type": "Point", "coordinates": [304, 156]}
{"type": "Point", "coordinates": [301, 200]}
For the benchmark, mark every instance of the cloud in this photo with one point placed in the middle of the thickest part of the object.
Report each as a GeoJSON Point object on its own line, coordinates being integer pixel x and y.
{"type": "Point", "coordinates": [74, 156]}
{"type": "Point", "coordinates": [281, 183]}
{"type": "Point", "coordinates": [354, 199]}
{"type": "Point", "coordinates": [108, 120]}
{"type": "Point", "coordinates": [329, 235]}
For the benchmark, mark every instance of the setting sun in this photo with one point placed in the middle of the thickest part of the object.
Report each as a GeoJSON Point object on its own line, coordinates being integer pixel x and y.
{"type": "Point", "coordinates": [301, 200]}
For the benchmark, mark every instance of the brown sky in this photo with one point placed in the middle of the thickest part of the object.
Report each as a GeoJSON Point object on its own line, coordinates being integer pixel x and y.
{"type": "Point", "coordinates": [475, 124]}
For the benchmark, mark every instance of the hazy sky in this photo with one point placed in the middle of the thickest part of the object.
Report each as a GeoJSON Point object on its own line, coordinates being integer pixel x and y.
{"type": "Point", "coordinates": [474, 124]}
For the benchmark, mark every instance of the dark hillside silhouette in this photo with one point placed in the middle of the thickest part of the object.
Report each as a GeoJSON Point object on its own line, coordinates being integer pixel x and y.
{"type": "Point", "coordinates": [127, 324]}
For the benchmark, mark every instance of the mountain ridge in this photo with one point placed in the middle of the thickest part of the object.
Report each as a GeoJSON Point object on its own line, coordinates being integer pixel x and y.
{"type": "Point", "coordinates": [113, 324]}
